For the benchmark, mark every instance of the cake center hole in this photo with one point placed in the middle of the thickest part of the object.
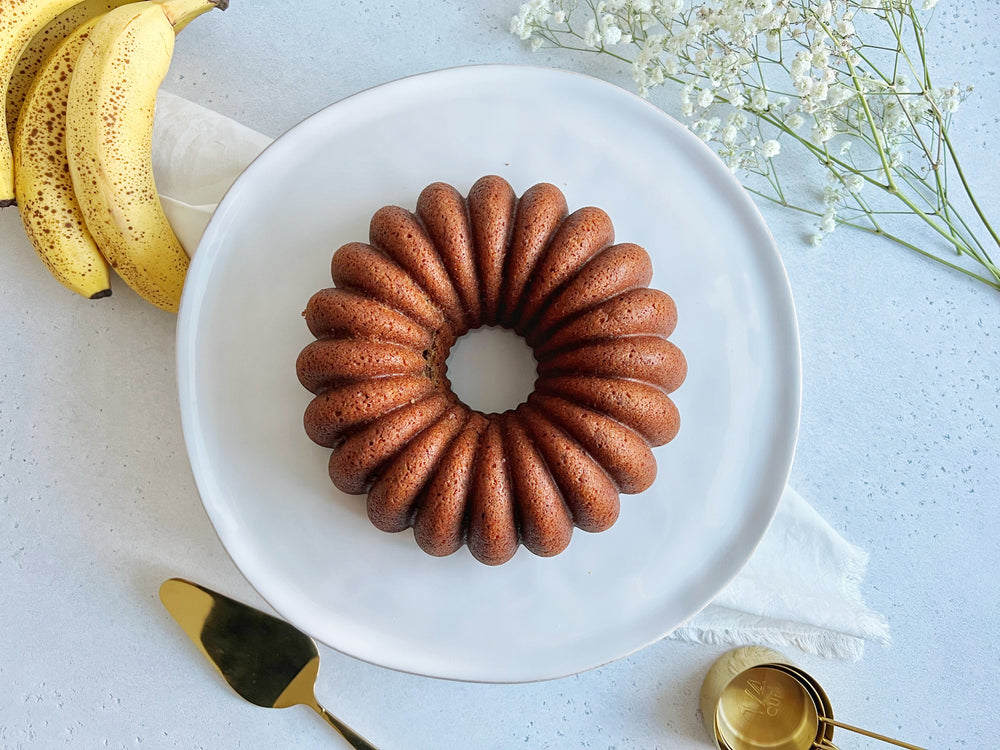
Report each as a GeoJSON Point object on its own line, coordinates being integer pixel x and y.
{"type": "Point", "coordinates": [492, 369]}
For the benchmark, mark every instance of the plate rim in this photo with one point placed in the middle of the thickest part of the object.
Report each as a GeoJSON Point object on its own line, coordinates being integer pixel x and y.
{"type": "Point", "coordinates": [781, 452]}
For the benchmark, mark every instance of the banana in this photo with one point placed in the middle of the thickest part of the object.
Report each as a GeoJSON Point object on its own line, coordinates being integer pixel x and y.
{"type": "Point", "coordinates": [109, 135]}
{"type": "Point", "coordinates": [41, 46]}
{"type": "Point", "coordinates": [49, 210]}
{"type": "Point", "coordinates": [20, 20]}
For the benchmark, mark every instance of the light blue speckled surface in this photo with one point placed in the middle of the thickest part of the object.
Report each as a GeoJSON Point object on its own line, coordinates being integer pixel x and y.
{"type": "Point", "coordinates": [899, 449]}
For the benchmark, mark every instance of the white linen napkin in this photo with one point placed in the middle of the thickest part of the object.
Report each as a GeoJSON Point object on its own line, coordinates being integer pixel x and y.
{"type": "Point", "coordinates": [801, 588]}
{"type": "Point", "coordinates": [197, 154]}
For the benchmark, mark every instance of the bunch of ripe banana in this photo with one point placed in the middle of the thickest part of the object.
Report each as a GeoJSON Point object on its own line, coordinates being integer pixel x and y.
{"type": "Point", "coordinates": [81, 80]}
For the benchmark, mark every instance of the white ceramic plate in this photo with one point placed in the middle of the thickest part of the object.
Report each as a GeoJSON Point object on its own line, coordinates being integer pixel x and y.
{"type": "Point", "coordinates": [310, 550]}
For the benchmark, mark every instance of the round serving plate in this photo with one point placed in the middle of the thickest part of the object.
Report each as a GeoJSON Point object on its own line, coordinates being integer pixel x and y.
{"type": "Point", "coordinates": [310, 550]}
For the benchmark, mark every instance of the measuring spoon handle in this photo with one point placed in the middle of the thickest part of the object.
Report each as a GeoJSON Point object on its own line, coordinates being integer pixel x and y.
{"type": "Point", "coordinates": [873, 735]}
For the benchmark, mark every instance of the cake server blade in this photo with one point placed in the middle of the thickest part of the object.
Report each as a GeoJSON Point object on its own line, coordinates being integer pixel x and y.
{"type": "Point", "coordinates": [266, 660]}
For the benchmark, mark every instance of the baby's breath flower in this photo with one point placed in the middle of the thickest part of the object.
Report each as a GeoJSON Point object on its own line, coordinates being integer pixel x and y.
{"type": "Point", "coordinates": [610, 33]}
{"type": "Point", "coordinates": [802, 64]}
{"type": "Point", "coordinates": [731, 57]}
{"type": "Point", "coordinates": [706, 127]}
{"type": "Point", "coordinates": [947, 100]}
{"type": "Point", "coordinates": [820, 55]}
{"type": "Point", "coordinates": [804, 85]}
{"type": "Point", "coordinates": [737, 100]}
{"type": "Point", "coordinates": [532, 15]}
{"type": "Point", "coordinates": [822, 132]}
{"type": "Point", "coordinates": [845, 25]}
{"type": "Point", "coordinates": [759, 101]}
{"type": "Point", "coordinates": [828, 222]}
{"type": "Point", "coordinates": [794, 120]}
{"type": "Point", "coordinates": [839, 94]}
{"type": "Point", "coordinates": [737, 118]}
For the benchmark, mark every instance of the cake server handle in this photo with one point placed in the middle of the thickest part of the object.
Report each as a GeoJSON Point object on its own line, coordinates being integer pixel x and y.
{"type": "Point", "coordinates": [353, 738]}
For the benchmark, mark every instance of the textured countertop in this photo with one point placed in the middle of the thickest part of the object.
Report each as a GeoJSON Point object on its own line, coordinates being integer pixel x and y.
{"type": "Point", "coordinates": [899, 449]}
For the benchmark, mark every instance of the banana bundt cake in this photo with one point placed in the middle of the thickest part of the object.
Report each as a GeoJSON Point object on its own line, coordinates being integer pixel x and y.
{"type": "Point", "coordinates": [383, 402]}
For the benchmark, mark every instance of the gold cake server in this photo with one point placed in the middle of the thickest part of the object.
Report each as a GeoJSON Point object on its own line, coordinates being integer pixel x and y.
{"type": "Point", "coordinates": [266, 660]}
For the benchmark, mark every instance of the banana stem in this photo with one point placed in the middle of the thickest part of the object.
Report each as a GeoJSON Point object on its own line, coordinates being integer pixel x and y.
{"type": "Point", "coordinates": [181, 12]}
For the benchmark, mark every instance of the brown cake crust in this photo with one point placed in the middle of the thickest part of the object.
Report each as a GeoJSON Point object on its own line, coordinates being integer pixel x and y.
{"type": "Point", "coordinates": [439, 523]}
{"type": "Point", "coordinates": [398, 234]}
{"type": "Point", "coordinates": [339, 313]}
{"type": "Point", "coordinates": [328, 362]}
{"type": "Point", "coordinates": [614, 270]}
{"type": "Point", "coordinates": [651, 359]}
{"type": "Point", "coordinates": [540, 211]}
{"type": "Point", "coordinates": [362, 268]}
{"type": "Point", "coordinates": [623, 452]}
{"type": "Point", "coordinates": [582, 235]}
{"type": "Point", "coordinates": [392, 499]}
{"type": "Point", "coordinates": [493, 529]}
{"type": "Point", "coordinates": [338, 411]}
{"type": "Point", "coordinates": [545, 521]}
{"type": "Point", "coordinates": [645, 408]}
{"type": "Point", "coordinates": [354, 463]}
{"type": "Point", "coordinates": [639, 310]}
{"type": "Point", "coordinates": [491, 212]}
{"type": "Point", "coordinates": [384, 406]}
{"type": "Point", "coordinates": [445, 216]}
{"type": "Point", "coordinates": [586, 488]}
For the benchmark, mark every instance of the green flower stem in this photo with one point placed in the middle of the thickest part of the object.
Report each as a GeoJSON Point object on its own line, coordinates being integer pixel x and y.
{"type": "Point", "coordinates": [945, 207]}
{"type": "Point", "coordinates": [885, 79]}
{"type": "Point", "coordinates": [892, 189]}
{"type": "Point", "coordinates": [878, 231]}
{"type": "Point", "coordinates": [934, 225]}
{"type": "Point", "coordinates": [968, 188]}
{"type": "Point", "coordinates": [918, 33]}
{"type": "Point", "coordinates": [868, 114]}
{"type": "Point", "coordinates": [823, 155]}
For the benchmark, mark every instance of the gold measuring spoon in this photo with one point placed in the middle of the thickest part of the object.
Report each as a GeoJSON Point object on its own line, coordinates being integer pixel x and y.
{"type": "Point", "coordinates": [768, 706]}
{"type": "Point", "coordinates": [266, 660]}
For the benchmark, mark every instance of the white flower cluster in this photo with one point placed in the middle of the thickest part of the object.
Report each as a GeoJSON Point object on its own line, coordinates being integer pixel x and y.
{"type": "Point", "coordinates": [534, 15]}
{"type": "Point", "coordinates": [755, 73]}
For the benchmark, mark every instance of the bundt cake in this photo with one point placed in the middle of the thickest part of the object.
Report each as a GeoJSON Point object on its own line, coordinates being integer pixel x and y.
{"type": "Point", "coordinates": [382, 400]}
